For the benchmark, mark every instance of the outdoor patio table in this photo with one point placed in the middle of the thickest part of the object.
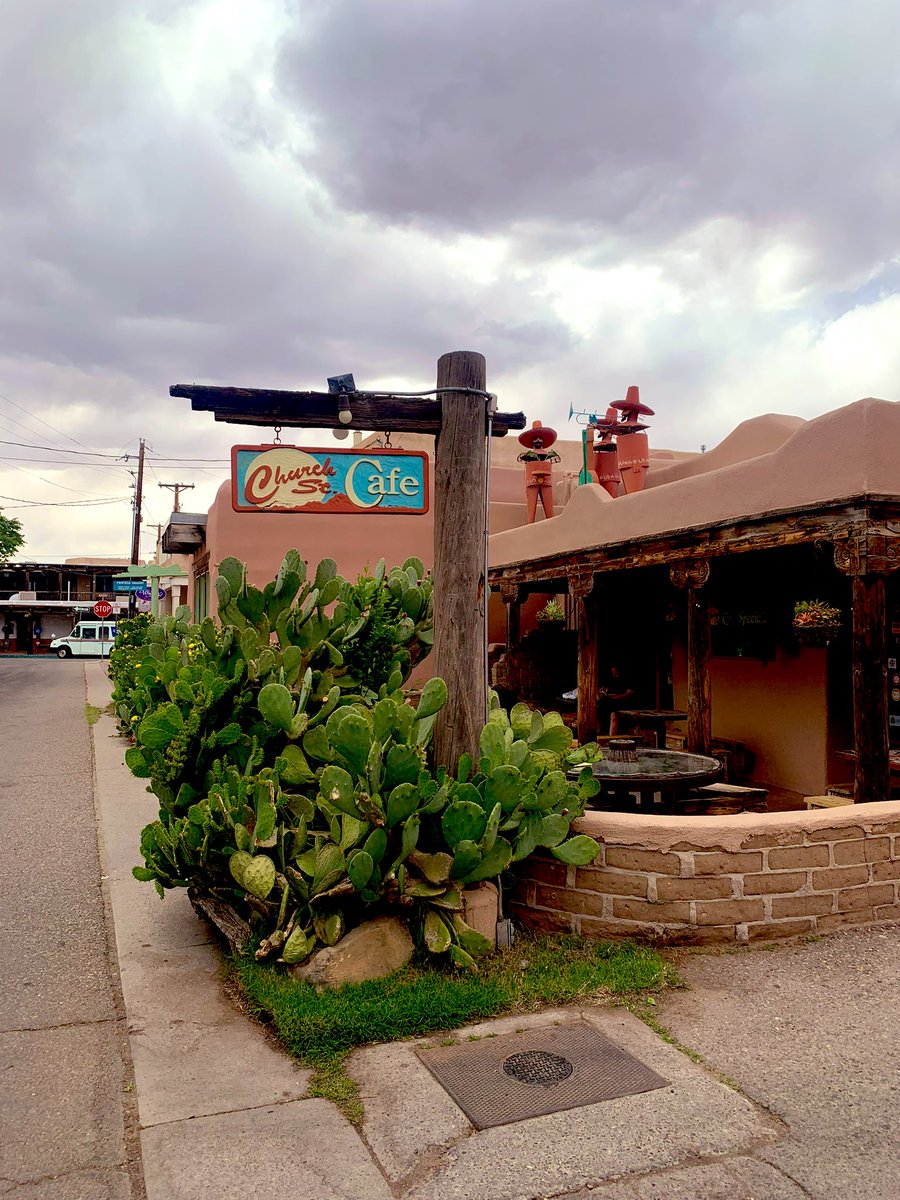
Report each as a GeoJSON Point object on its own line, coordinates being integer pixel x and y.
{"type": "Point", "coordinates": [665, 771]}
{"type": "Point", "coordinates": [653, 718]}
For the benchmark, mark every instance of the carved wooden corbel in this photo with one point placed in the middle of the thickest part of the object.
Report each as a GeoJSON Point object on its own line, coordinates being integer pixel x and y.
{"type": "Point", "coordinates": [875, 552]}
{"type": "Point", "coordinates": [581, 584]}
{"type": "Point", "coordinates": [509, 592]}
{"type": "Point", "coordinates": [693, 573]}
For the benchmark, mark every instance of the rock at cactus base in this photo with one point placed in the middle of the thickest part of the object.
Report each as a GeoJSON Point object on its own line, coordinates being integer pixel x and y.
{"type": "Point", "coordinates": [370, 951]}
{"type": "Point", "coordinates": [481, 907]}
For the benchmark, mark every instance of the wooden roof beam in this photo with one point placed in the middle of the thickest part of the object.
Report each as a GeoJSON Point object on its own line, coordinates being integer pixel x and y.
{"type": "Point", "coordinates": [319, 410]}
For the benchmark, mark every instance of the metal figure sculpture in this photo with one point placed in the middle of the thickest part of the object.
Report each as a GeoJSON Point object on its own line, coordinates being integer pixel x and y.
{"type": "Point", "coordinates": [538, 458]}
{"type": "Point", "coordinates": [633, 447]}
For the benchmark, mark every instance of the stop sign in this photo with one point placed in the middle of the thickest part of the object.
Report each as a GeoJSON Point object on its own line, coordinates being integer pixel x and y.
{"type": "Point", "coordinates": [102, 609]}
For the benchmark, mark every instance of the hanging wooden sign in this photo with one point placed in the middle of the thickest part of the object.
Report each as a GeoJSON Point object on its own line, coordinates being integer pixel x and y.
{"type": "Point", "coordinates": [280, 479]}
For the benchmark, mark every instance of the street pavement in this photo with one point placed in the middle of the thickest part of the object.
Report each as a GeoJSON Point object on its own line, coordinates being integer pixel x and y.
{"type": "Point", "coordinates": [67, 1113]}
{"type": "Point", "coordinates": [128, 1073]}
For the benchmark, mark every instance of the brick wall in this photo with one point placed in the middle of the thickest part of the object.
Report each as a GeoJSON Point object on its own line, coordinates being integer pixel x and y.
{"type": "Point", "coordinates": [720, 879]}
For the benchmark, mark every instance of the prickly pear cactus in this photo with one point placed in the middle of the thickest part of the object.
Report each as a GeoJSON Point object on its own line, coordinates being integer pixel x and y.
{"type": "Point", "coordinates": [293, 774]}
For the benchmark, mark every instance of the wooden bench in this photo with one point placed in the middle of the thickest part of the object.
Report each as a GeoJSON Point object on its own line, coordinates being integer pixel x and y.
{"type": "Point", "coordinates": [828, 801]}
{"type": "Point", "coordinates": [723, 799]}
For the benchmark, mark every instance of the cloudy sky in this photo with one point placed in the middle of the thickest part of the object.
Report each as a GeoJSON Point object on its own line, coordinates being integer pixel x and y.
{"type": "Point", "coordinates": [698, 196]}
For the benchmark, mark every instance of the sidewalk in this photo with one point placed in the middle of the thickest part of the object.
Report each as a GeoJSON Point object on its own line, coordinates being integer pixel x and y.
{"type": "Point", "coordinates": [222, 1110]}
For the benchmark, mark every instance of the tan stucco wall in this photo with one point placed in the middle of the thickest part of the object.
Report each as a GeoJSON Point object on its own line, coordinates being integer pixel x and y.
{"type": "Point", "coordinates": [720, 879]}
{"type": "Point", "coordinates": [845, 453]}
{"type": "Point", "coordinates": [776, 709]}
{"type": "Point", "coordinates": [354, 542]}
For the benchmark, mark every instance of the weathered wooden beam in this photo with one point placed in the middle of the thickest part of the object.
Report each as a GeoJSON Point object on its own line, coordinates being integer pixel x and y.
{"type": "Point", "coordinates": [870, 715]}
{"type": "Point", "coordinates": [459, 557]}
{"type": "Point", "coordinates": [512, 600]}
{"type": "Point", "coordinates": [846, 520]}
{"type": "Point", "coordinates": [585, 592]}
{"type": "Point", "coordinates": [319, 410]}
{"type": "Point", "coordinates": [692, 576]}
{"type": "Point", "coordinates": [699, 702]}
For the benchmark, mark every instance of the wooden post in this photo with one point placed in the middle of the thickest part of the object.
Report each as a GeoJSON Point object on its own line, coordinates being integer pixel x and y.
{"type": "Point", "coordinates": [867, 557]}
{"type": "Point", "coordinates": [511, 597]}
{"type": "Point", "coordinates": [870, 717]}
{"type": "Point", "coordinates": [693, 576]}
{"type": "Point", "coordinates": [582, 587]}
{"type": "Point", "coordinates": [459, 556]}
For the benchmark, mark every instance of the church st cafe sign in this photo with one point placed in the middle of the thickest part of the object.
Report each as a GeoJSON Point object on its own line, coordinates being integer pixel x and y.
{"type": "Point", "coordinates": [283, 479]}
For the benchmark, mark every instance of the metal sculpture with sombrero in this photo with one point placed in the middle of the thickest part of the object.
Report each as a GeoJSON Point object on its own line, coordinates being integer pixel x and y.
{"type": "Point", "coordinates": [538, 458]}
{"type": "Point", "coordinates": [604, 451]}
{"type": "Point", "coordinates": [632, 445]}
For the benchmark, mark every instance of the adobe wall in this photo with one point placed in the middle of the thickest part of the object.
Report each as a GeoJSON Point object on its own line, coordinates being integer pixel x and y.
{"type": "Point", "coordinates": [776, 709]}
{"type": "Point", "coordinates": [702, 880]}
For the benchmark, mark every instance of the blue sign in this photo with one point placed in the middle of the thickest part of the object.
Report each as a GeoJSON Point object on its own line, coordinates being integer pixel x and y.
{"type": "Point", "coordinates": [128, 585]}
{"type": "Point", "coordinates": [290, 479]}
{"type": "Point", "coordinates": [144, 593]}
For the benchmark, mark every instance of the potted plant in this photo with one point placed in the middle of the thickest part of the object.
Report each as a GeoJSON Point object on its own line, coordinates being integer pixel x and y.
{"type": "Point", "coordinates": [816, 622]}
{"type": "Point", "coordinates": [552, 613]}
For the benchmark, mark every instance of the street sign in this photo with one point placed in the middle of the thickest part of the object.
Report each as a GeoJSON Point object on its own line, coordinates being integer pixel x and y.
{"type": "Point", "coordinates": [127, 585]}
{"type": "Point", "coordinates": [143, 593]}
{"type": "Point", "coordinates": [102, 609]}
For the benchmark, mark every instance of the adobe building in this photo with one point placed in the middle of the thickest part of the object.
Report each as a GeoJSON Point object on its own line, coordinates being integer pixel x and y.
{"type": "Point", "coordinates": [690, 582]}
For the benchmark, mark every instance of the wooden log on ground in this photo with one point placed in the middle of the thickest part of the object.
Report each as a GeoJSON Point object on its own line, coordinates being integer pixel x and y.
{"type": "Point", "coordinates": [233, 928]}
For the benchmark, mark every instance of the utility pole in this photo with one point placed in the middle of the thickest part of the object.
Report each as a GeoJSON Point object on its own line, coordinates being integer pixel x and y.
{"type": "Point", "coordinates": [138, 500]}
{"type": "Point", "coordinates": [177, 488]}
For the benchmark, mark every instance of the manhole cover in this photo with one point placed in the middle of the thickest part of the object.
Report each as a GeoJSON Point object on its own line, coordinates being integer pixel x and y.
{"type": "Point", "coordinates": [501, 1079]}
{"type": "Point", "coordinates": [537, 1066]}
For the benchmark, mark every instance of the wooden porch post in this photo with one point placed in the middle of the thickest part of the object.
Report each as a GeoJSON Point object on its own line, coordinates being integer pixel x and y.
{"type": "Point", "coordinates": [867, 558]}
{"type": "Point", "coordinates": [459, 556]}
{"type": "Point", "coordinates": [511, 597]}
{"type": "Point", "coordinates": [583, 588]}
{"type": "Point", "coordinates": [870, 718]}
{"type": "Point", "coordinates": [692, 576]}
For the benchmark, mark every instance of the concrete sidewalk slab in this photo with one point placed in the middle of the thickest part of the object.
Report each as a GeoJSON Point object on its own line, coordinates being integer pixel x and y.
{"type": "Point", "coordinates": [437, 1155]}
{"type": "Point", "coordinates": [220, 1106]}
{"type": "Point", "coordinates": [304, 1150]}
{"type": "Point", "coordinates": [810, 1033]}
{"type": "Point", "coordinates": [734, 1179]}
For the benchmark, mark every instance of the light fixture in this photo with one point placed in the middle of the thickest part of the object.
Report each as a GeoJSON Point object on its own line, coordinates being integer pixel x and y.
{"type": "Point", "coordinates": [345, 416]}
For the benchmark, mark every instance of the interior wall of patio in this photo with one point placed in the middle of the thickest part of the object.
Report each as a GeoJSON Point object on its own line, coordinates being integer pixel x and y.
{"type": "Point", "coordinates": [777, 709]}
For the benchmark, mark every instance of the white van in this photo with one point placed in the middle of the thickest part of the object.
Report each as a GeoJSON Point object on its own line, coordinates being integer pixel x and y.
{"type": "Point", "coordinates": [87, 638]}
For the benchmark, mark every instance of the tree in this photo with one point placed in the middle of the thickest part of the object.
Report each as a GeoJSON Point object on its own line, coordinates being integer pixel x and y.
{"type": "Point", "coordinates": [11, 537]}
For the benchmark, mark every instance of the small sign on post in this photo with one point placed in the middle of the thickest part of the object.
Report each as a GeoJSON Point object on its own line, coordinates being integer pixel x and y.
{"type": "Point", "coordinates": [102, 609]}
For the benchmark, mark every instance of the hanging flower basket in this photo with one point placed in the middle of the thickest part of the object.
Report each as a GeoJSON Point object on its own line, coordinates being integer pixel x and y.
{"type": "Point", "coordinates": [551, 614]}
{"type": "Point", "coordinates": [817, 635]}
{"type": "Point", "coordinates": [816, 623]}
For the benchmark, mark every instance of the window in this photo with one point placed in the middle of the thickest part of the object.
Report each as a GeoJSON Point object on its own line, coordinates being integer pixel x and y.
{"type": "Point", "coordinates": [201, 596]}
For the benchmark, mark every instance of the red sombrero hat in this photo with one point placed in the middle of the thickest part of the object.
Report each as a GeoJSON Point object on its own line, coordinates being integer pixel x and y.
{"type": "Point", "coordinates": [538, 433]}
{"type": "Point", "coordinates": [631, 406]}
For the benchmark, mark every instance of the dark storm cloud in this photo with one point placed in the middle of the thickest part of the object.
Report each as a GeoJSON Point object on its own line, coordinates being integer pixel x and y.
{"type": "Point", "coordinates": [164, 243]}
{"type": "Point", "coordinates": [642, 118]}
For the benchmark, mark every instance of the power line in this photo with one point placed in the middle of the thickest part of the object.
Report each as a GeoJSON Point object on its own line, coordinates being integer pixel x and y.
{"type": "Point", "coordinates": [34, 417]}
{"type": "Point", "coordinates": [20, 502]}
{"type": "Point", "coordinates": [58, 449]}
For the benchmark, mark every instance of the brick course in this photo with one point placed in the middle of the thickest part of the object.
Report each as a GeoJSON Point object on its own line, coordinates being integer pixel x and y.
{"type": "Point", "coordinates": [801, 873]}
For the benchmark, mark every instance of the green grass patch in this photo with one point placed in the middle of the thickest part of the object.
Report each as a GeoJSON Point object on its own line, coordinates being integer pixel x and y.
{"type": "Point", "coordinates": [331, 1081]}
{"type": "Point", "coordinates": [92, 713]}
{"type": "Point", "coordinates": [322, 1028]}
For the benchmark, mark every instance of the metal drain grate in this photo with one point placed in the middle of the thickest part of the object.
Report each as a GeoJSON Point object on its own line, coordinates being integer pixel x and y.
{"type": "Point", "coordinates": [537, 1066]}
{"type": "Point", "coordinates": [535, 1072]}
